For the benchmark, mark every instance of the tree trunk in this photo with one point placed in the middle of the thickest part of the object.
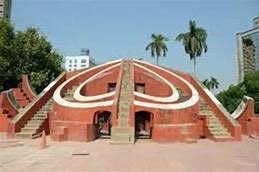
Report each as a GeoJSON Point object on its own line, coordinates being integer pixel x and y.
{"type": "Point", "coordinates": [194, 66]}
{"type": "Point", "coordinates": [157, 60]}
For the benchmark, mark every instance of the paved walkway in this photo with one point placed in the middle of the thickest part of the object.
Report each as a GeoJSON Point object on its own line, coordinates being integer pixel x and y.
{"type": "Point", "coordinates": [204, 156]}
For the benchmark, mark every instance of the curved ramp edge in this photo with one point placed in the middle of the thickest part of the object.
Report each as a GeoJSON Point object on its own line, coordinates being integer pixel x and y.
{"type": "Point", "coordinates": [243, 107]}
{"type": "Point", "coordinates": [227, 120]}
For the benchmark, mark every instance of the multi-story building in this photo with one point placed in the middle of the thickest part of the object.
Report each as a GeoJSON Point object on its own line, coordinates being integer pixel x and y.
{"type": "Point", "coordinates": [5, 9]}
{"type": "Point", "coordinates": [248, 50]}
{"type": "Point", "coordinates": [82, 61]}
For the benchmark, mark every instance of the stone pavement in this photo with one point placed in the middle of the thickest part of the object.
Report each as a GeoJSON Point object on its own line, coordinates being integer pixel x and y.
{"type": "Point", "coordinates": [99, 155]}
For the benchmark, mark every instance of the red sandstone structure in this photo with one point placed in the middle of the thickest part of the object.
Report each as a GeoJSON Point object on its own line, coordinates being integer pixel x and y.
{"type": "Point", "coordinates": [125, 100]}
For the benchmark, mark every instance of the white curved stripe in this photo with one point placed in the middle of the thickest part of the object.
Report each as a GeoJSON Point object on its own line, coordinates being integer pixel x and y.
{"type": "Point", "coordinates": [190, 102]}
{"type": "Point", "coordinates": [172, 98]}
{"type": "Point", "coordinates": [172, 106]}
{"type": "Point", "coordinates": [79, 97]}
{"type": "Point", "coordinates": [58, 99]}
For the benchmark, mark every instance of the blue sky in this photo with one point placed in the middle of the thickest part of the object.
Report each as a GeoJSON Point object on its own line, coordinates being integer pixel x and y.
{"type": "Point", "coordinates": [114, 29]}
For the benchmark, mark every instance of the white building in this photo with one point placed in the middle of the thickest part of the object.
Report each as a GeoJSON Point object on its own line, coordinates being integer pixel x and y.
{"type": "Point", "coordinates": [73, 63]}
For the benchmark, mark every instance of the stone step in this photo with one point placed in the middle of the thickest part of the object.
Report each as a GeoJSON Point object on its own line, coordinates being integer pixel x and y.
{"type": "Point", "coordinates": [214, 121]}
{"type": "Point", "coordinates": [35, 117]}
{"type": "Point", "coordinates": [24, 135]}
{"type": "Point", "coordinates": [123, 122]}
{"type": "Point", "coordinates": [41, 115]}
{"type": "Point", "coordinates": [32, 124]}
{"type": "Point", "coordinates": [223, 137]}
{"type": "Point", "coordinates": [31, 127]}
{"type": "Point", "coordinates": [215, 125]}
{"type": "Point", "coordinates": [122, 135]}
{"type": "Point", "coordinates": [30, 130]}
{"type": "Point", "coordinates": [218, 129]}
{"type": "Point", "coordinates": [122, 129]}
{"type": "Point", "coordinates": [41, 111]}
{"type": "Point", "coordinates": [36, 122]}
{"type": "Point", "coordinates": [122, 138]}
{"type": "Point", "coordinates": [220, 133]}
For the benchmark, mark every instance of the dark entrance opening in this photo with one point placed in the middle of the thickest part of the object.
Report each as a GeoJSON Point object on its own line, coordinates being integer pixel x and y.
{"type": "Point", "coordinates": [143, 125]}
{"type": "Point", "coordinates": [103, 124]}
{"type": "Point", "coordinates": [111, 87]}
{"type": "Point", "coordinates": [140, 87]}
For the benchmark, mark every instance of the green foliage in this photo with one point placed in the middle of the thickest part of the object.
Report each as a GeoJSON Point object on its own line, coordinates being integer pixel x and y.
{"type": "Point", "coordinates": [158, 46]}
{"type": "Point", "coordinates": [231, 97]}
{"type": "Point", "coordinates": [251, 83]}
{"type": "Point", "coordinates": [26, 52]}
{"type": "Point", "coordinates": [211, 84]}
{"type": "Point", "coordinates": [194, 41]}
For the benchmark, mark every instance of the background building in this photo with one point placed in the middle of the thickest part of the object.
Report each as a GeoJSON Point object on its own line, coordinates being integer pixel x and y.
{"type": "Point", "coordinates": [248, 50]}
{"type": "Point", "coordinates": [82, 61]}
{"type": "Point", "coordinates": [5, 9]}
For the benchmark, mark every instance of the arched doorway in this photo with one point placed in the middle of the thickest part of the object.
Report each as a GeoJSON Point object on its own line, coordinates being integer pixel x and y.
{"type": "Point", "coordinates": [103, 124]}
{"type": "Point", "coordinates": [143, 125]}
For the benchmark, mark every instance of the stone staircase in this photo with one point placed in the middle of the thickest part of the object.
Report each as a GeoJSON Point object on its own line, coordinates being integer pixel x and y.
{"type": "Point", "coordinates": [123, 133]}
{"type": "Point", "coordinates": [69, 94]}
{"type": "Point", "coordinates": [216, 128]}
{"type": "Point", "coordinates": [34, 125]}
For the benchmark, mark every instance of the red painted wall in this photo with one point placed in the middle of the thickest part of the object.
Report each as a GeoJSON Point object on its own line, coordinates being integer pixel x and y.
{"type": "Point", "coordinates": [154, 86]}
{"type": "Point", "coordinates": [100, 85]}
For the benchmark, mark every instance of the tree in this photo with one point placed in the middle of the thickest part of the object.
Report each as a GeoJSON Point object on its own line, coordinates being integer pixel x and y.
{"type": "Point", "coordinates": [251, 83]}
{"type": "Point", "coordinates": [214, 83]}
{"type": "Point", "coordinates": [207, 83]}
{"type": "Point", "coordinates": [211, 84]}
{"type": "Point", "coordinates": [194, 42]}
{"type": "Point", "coordinates": [158, 46]}
{"type": "Point", "coordinates": [232, 97]}
{"type": "Point", "coordinates": [26, 52]}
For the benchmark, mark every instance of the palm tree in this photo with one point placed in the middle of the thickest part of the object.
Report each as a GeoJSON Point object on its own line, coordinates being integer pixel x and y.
{"type": "Point", "coordinates": [207, 83]}
{"type": "Point", "coordinates": [211, 84]}
{"type": "Point", "coordinates": [157, 46]}
{"type": "Point", "coordinates": [214, 83]}
{"type": "Point", "coordinates": [194, 41]}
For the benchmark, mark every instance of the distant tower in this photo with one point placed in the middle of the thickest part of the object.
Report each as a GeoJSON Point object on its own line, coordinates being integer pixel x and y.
{"type": "Point", "coordinates": [248, 50]}
{"type": "Point", "coordinates": [5, 9]}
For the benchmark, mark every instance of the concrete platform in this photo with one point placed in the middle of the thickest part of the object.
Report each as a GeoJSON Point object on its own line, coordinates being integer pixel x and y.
{"type": "Point", "coordinates": [99, 155]}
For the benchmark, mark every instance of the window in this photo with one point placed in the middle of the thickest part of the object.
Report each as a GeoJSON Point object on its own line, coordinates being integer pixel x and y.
{"type": "Point", "coordinates": [111, 87]}
{"type": "Point", "coordinates": [75, 65]}
{"type": "Point", "coordinates": [83, 65]}
{"type": "Point", "coordinates": [70, 61]}
{"type": "Point", "coordinates": [75, 61]}
{"type": "Point", "coordinates": [83, 61]}
{"type": "Point", "coordinates": [70, 65]}
{"type": "Point", "coordinates": [140, 87]}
